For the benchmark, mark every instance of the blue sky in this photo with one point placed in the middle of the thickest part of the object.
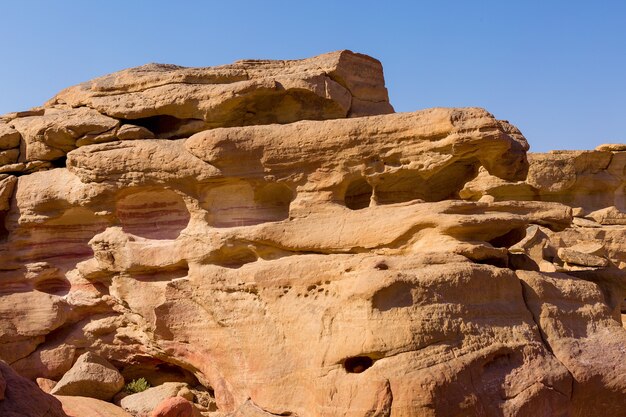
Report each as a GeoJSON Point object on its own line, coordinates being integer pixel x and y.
{"type": "Point", "coordinates": [556, 69]}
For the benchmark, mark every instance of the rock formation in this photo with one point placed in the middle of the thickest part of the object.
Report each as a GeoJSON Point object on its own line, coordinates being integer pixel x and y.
{"type": "Point", "coordinates": [270, 236]}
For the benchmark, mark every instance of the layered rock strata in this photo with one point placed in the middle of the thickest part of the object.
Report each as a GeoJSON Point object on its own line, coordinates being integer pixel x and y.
{"type": "Point", "coordinates": [214, 228]}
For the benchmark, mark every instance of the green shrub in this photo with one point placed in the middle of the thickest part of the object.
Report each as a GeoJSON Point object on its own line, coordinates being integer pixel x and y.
{"type": "Point", "coordinates": [137, 385]}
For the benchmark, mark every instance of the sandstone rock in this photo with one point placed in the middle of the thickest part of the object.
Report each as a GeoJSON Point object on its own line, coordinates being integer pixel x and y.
{"type": "Point", "coordinates": [9, 137]}
{"type": "Point", "coordinates": [3, 386]}
{"type": "Point", "coordinates": [586, 180]}
{"type": "Point", "coordinates": [90, 407]}
{"type": "Point", "coordinates": [9, 157]}
{"type": "Point", "coordinates": [52, 135]}
{"type": "Point", "coordinates": [613, 147]}
{"type": "Point", "coordinates": [579, 258]}
{"type": "Point", "coordinates": [609, 216]}
{"type": "Point", "coordinates": [6, 191]}
{"type": "Point", "coordinates": [316, 268]}
{"type": "Point", "coordinates": [143, 403]}
{"type": "Point", "coordinates": [563, 307]}
{"type": "Point", "coordinates": [174, 101]}
{"type": "Point", "coordinates": [373, 141]}
{"type": "Point", "coordinates": [22, 398]}
{"type": "Point", "coordinates": [585, 222]}
{"type": "Point", "coordinates": [174, 407]}
{"type": "Point", "coordinates": [131, 132]}
{"type": "Point", "coordinates": [46, 384]}
{"type": "Point", "coordinates": [91, 376]}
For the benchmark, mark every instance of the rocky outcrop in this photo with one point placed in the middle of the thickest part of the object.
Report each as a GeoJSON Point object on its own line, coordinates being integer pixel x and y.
{"type": "Point", "coordinates": [417, 264]}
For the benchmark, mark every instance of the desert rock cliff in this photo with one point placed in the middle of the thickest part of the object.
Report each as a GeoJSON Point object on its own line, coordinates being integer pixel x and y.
{"type": "Point", "coordinates": [269, 238]}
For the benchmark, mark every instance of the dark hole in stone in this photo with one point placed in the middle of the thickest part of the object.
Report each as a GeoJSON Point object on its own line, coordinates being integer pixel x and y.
{"type": "Point", "coordinates": [509, 239]}
{"type": "Point", "coordinates": [381, 266]}
{"type": "Point", "coordinates": [358, 194]}
{"type": "Point", "coordinates": [157, 372]}
{"type": "Point", "coordinates": [357, 364]}
{"type": "Point", "coordinates": [60, 162]}
{"type": "Point", "coordinates": [169, 127]}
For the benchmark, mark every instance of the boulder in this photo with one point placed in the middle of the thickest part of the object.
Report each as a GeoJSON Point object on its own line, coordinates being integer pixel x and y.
{"type": "Point", "coordinates": [575, 257]}
{"type": "Point", "coordinates": [9, 137]}
{"type": "Point", "coordinates": [174, 407]}
{"type": "Point", "coordinates": [90, 376]}
{"type": "Point", "coordinates": [143, 403]}
{"type": "Point", "coordinates": [20, 397]}
{"type": "Point", "coordinates": [90, 407]}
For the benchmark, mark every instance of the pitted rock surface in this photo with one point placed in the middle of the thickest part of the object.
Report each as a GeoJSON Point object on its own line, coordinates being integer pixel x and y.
{"type": "Point", "coordinates": [270, 234]}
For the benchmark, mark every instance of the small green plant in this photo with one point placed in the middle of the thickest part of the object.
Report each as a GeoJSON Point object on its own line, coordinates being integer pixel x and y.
{"type": "Point", "coordinates": [137, 385]}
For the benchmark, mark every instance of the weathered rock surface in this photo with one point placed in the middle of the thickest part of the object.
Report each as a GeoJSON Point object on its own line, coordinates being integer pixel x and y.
{"type": "Point", "coordinates": [90, 376]}
{"type": "Point", "coordinates": [90, 407]}
{"type": "Point", "coordinates": [175, 101]}
{"type": "Point", "coordinates": [143, 403]}
{"type": "Point", "coordinates": [418, 264]}
{"type": "Point", "coordinates": [20, 397]}
{"type": "Point", "coordinates": [174, 407]}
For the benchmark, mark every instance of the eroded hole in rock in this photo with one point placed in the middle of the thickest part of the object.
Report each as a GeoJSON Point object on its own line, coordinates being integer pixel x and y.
{"type": "Point", "coordinates": [381, 266]}
{"type": "Point", "coordinates": [60, 162]}
{"type": "Point", "coordinates": [169, 127]}
{"type": "Point", "coordinates": [157, 372]}
{"type": "Point", "coordinates": [56, 286]}
{"type": "Point", "coordinates": [233, 257]}
{"type": "Point", "coordinates": [153, 214]}
{"type": "Point", "coordinates": [396, 295]}
{"type": "Point", "coordinates": [263, 107]}
{"type": "Point", "coordinates": [180, 270]}
{"type": "Point", "coordinates": [509, 239]}
{"type": "Point", "coordinates": [357, 364]}
{"type": "Point", "coordinates": [521, 261]}
{"type": "Point", "coordinates": [493, 261]}
{"type": "Point", "coordinates": [247, 204]}
{"type": "Point", "coordinates": [408, 185]}
{"type": "Point", "coordinates": [358, 194]}
{"type": "Point", "coordinates": [400, 187]}
{"type": "Point", "coordinates": [64, 237]}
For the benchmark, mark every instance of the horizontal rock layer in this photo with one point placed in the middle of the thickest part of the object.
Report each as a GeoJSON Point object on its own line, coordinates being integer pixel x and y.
{"type": "Point", "coordinates": [416, 264]}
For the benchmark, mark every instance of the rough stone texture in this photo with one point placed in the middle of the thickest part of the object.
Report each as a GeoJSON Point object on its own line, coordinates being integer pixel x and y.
{"type": "Point", "coordinates": [174, 407]}
{"type": "Point", "coordinates": [9, 137]}
{"type": "Point", "coordinates": [20, 397]}
{"type": "Point", "coordinates": [143, 403]}
{"type": "Point", "coordinates": [45, 384]}
{"type": "Point", "coordinates": [55, 133]}
{"type": "Point", "coordinates": [91, 376]}
{"type": "Point", "coordinates": [394, 265]}
{"type": "Point", "coordinates": [328, 86]}
{"type": "Point", "coordinates": [589, 180]}
{"type": "Point", "coordinates": [90, 407]}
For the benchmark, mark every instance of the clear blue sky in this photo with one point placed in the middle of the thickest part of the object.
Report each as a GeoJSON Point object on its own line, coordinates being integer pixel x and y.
{"type": "Point", "coordinates": [556, 69]}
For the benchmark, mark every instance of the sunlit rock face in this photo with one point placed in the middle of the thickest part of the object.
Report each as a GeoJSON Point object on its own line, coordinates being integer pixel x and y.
{"type": "Point", "coordinates": [272, 231]}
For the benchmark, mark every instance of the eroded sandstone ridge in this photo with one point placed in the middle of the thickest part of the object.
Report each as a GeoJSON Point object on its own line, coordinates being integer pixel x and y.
{"type": "Point", "coordinates": [266, 238]}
